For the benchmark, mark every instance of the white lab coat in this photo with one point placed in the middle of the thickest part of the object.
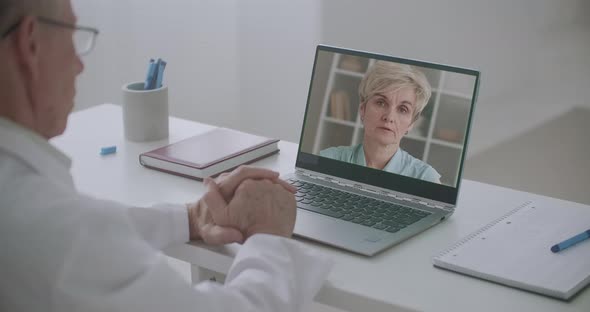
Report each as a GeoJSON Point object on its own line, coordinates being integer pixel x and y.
{"type": "Point", "coordinates": [64, 251]}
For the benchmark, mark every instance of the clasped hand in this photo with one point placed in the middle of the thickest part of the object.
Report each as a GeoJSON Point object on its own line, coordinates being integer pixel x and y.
{"type": "Point", "coordinates": [242, 203]}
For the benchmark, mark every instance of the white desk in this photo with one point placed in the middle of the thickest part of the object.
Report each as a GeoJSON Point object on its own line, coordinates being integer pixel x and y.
{"type": "Point", "coordinates": [399, 279]}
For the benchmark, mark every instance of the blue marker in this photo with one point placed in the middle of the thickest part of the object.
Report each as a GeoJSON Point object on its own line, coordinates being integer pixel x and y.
{"type": "Point", "coordinates": [150, 75]}
{"type": "Point", "coordinates": [108, 150]}
{"type": "Point", "coordinates": [154, 78]}
{"type": "Point", "coordinates": [571, 241]}
{"type": "Point", "coordinates": [161, 67]}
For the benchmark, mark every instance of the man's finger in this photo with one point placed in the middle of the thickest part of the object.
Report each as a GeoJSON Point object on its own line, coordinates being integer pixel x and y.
{"type": "Point", "coordinates": [286, 185]}
{"type": "Point", "coordinates": [213, 234]}
{"type": "Point", "coordinates": [221, 177]}
{"type": "Point", "coordinates": [231, 182]}
{"type": "Point", "coordinates": [215, 203]}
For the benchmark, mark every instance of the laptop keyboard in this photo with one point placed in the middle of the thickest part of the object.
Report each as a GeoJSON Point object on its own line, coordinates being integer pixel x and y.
{"type": "Point", "coordinates": [355, 208]}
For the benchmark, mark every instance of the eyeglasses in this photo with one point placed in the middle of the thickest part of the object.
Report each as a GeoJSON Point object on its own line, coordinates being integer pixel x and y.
{"type": "Point", "coordinates": [83, 38]}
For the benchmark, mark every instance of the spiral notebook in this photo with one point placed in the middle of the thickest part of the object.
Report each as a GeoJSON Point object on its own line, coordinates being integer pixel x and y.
{"type": "Point", "coordinates": [514, 250]}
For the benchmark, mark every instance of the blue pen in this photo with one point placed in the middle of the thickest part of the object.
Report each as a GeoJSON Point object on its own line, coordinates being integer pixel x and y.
{"type": "Point", "coordinates": [150, 75]}
{"type": "Point", "coordinates": [161, 67]}
{"type": "Point", "coordinates": [571, 241]}
{"type": "Point", "coordinates": [108, 150]}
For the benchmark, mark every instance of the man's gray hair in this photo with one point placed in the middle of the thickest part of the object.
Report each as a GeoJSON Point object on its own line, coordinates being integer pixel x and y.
{"type": "Point", "coordinates": [12, 10]}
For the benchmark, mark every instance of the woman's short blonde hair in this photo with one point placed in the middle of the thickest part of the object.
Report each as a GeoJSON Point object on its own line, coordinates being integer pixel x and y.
{"type": "Point", "coordinates": [384, 75]}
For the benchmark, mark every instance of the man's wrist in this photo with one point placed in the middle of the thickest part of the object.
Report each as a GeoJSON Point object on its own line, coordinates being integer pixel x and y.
{"type": "Point", "coordinates": [193, 220]}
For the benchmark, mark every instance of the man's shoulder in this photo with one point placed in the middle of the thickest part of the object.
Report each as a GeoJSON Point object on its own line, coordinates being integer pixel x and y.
{"type": "Point", "coordinates": [47, 211]}
{"type": "Point", "coordinates": [35, 215]}
{"type": "Point", "coordinates": [9, 161]}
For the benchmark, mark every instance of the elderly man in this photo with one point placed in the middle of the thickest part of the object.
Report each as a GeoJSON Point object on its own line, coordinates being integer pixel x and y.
{"type": "Point", "coordinates": [64, 251]}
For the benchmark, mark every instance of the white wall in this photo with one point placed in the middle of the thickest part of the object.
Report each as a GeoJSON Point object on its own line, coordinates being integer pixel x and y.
{"type": "Point", "coordinates": [241, 64]}
{"type": "Point", "coordinates": [197, 38]}
{"type": "Point", "coordinates": [277, 40]}
{"type": "Point", "coordinates": [532, 53]}
{"type": "Point", "coordinates": [246, 64]}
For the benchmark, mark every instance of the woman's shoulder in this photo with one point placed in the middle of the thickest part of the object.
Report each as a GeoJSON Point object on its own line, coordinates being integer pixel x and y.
{"type": "Point", "coordinates": [420, 168]}
{"type": "Point", "coordinates": [410, 160]}
{"type": "Point", "coordinates": [339, 152]}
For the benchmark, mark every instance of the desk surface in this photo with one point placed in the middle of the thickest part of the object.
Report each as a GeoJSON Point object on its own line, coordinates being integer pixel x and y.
{"type": "Point", "coordinates": [401, 278]}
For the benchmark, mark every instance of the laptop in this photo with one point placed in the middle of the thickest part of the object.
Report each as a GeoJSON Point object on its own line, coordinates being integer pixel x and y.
{"type": "Point", "coordinates": [379, 160]}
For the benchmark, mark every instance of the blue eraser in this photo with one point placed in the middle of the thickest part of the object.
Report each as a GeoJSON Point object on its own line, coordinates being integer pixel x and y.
{"type": "Point", "coordinates": [108, 150]}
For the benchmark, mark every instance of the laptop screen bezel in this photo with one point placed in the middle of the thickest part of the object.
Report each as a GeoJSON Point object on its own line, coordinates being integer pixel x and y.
{"type": "Point", "coordinates": [380, 178]}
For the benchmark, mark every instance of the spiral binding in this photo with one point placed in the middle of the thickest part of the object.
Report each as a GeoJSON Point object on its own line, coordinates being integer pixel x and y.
{"type": "Point", "coordinates": [483, 229]}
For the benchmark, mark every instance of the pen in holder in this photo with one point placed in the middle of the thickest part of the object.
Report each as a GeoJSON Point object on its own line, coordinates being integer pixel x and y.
{"type": "Point", "coordinates": [145, 112]}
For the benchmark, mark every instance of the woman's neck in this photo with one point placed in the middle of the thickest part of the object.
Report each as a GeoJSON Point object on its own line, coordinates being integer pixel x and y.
{"type": "Point", "coordinates": [378, 155]}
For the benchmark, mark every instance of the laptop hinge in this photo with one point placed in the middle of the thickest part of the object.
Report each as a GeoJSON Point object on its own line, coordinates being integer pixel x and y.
{"type": "Point", "coordinates": [375, 190]}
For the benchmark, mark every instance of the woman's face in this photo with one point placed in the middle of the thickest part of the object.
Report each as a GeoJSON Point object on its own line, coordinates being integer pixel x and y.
{"type": "Point", "coordinates": [388, 115]}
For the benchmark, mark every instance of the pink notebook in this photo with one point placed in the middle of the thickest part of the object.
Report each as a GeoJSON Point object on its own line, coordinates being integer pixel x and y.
{"type": "Point", "coordinates": [210, 153]}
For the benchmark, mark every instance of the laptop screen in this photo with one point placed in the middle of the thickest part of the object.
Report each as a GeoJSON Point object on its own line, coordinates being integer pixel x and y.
{"type": "Point", "coordinates": [390, 122]}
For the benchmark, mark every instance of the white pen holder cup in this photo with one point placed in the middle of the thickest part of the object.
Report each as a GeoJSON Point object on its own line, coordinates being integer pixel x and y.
{"type": "Point", "coordinates": [145, 112]}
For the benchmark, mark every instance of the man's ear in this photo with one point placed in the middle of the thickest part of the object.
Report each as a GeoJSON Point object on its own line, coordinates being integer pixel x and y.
{"type": "Point", "coordinates": [27, 46]}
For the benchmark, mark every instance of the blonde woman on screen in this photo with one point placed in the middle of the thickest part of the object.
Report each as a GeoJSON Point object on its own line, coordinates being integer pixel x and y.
{"type": "Point", "coordinates": [392, 96]}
